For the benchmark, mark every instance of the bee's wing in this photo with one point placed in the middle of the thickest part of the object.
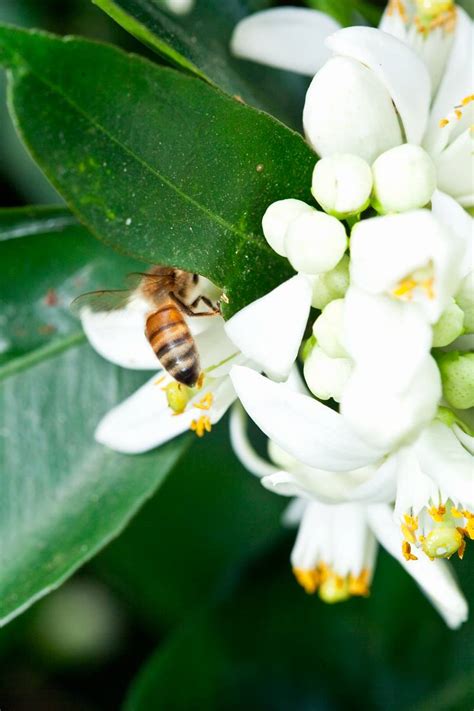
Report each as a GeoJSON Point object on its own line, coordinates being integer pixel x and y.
{"type": "Point", "coordinates": [105, 300]}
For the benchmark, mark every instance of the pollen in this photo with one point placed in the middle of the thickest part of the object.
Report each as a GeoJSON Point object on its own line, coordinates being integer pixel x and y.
{"type": "Point", "coordinates": [201, 425]}
{"type": "Point", "coordinates": [308, 579]}
{"type": "Point", "coordinates": [397, 6]}
{"type": "Point", "coordinates": [405, 288]}
{"type": "Point", "coordinates": [205, 403]}
{"type": "Point", "coordinates": [406, 551]}
{"type": "Point", "coordinates": [408, 528]}
{"type": "Point", "coordinates": [457, 112]}
{"type": "Point", "coordinates": [437, 513]}
{"type": "Point", "coordinates": [359, 584]}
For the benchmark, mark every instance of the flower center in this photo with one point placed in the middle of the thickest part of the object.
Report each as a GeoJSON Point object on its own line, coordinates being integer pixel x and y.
{"type": "Point", "coordinates": [201, 425]}
{"type": "Point", "coordinates": [331, 586]}
{"type": "Point", "coordinates": [420, 281]}
{"type": "Point", "coordinates": [435, 13]}
{"type": "Point", "coordinates": [456, 113]}
{"type": "Point", "coordinates": [439, 536]}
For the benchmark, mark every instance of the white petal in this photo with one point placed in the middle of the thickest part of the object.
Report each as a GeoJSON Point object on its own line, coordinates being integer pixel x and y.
{"type": "Point", "coordinates": [302, 426]}
{"type": "Point", "coordinates": [460, 225]}
{"type": "Point", "coordinates": [269, 330]}
{"type": "Point", "coordinates": [443, 458]}
{"type": "Point", "coordinates": [388, 419]}
{"type": "Point", "coordinates": [466, 440]}
{"type": "Point", "coordinates": [145, 421]}
{"type": "Point", "coordinates": [348, 110]}
{"type": "Point", "coordinates": [456, 82]}
{"type": "Point", "coordinates": [414, 489]}
{"type": "Point", "coordinates": [433, 577]}
{"type": "Point", "coordinates": [455, 166]}
{"type": "Point", "coordinates": [313, 541]}
{"type": "Point", "coordinates": [285, 484]}
{"type": "Point", "coordinates": [217, 352]}
{"type": "Point", "coordinates": [392, 23]}
{"type": "Point", "coordinates": [119, 336]}
{"type": "Point", "coordinates": [388, 338]}
{"type": "Point", "coordinates": [287, 38]}
{"type": "Point", "coordinates": [397, 66]}
{"type": "Point", "coordinates": [293, 513]}
{"type": "Point", "coordinates": [242, 447]}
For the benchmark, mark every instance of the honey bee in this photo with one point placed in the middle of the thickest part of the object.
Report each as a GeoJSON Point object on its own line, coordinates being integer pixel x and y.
{"type": "Point", "coordinates": [172, 294]}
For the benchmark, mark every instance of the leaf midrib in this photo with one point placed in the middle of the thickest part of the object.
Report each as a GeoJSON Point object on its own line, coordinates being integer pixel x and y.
{"type": "Point", "coordinates": [211, 215]}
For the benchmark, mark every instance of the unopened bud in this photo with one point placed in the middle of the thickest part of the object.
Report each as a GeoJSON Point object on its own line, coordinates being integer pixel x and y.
{"type": "Point", "coordinates": [331, 285]}
{"type": "Point", "coordinates": [328, 329]}
{"type": "Point", "coordinates": [315, 242]}
{"type": "Point", "coordinates": [325, 376]}
{"type": "Point", "coordinates": [276, 220]}
{"type": "Point", "coordinates": [449, 326]}
{"type": "Point", "coordinates": [457, 376]}
{"type": "Point", "coordinates": [342, 184]}
{"type": "Point", "coordinates": [465, 300]}
{"type": "Point", "coordinates": [404, 179]}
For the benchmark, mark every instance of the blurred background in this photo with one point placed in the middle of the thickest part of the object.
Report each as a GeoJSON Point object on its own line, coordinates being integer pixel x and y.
{"type": "Point", "coordinates": [194, 606]}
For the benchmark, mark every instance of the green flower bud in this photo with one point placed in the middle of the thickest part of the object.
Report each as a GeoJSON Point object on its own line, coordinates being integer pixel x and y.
{"type": "Point", "coordinates": [449, 326]}
{"type": "Point", "coordinates": [457, 375]}
{"type": "Point", "coordinates": [331, 285]}
{"type": "Point", "coordinates": [465, 300]}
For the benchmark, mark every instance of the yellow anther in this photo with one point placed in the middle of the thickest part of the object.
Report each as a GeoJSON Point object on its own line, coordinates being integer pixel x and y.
{"type": "Point", "coordinates": [461, 549]}
{"type": "Point", "coordinates": [308, 579]}
{"type": "Point", "coordinates": [443, 122]}
{"type": "Point", "coordinates": [437, 513]}
{"type": "Point", "coordinates": [467, 100]}
{"type": "Point", "coordinates": [205, 403]}
{"type": "Point", "coordinates": [359, 584]}
{"type": "Point", "coordinates": [201, 425]}
{"type": "Point", "coordinates": [408, 527]}
{"type": "Point", "coordinates": [469, 524]}
{"type": "Point", "coordinates": [397, 6]}
{"type": "Point", "coordinates": [406, 551]}
{"type": "Point", "coordinates": [405, 288]}
{"type": "Point", "coordinates": [200, 381]}
{"type": "Point", "coordinates": [457, 112]}
{"type": "Point", "coordinates": [456, 512]}
{"type": "Point", "coordinates": [442, 542]}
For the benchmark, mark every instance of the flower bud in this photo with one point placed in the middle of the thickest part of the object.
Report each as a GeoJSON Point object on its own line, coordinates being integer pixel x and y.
{"type": "Point", "coordinates": [449, 326]}
{"type": "Point", "coordinates": [465, 300]}
{"type": "Point", "coordinates": [342, 184]}
{"type": "Point", "coordinates": [349, 110]}
{"type": "Point", "coordinates": [331, 285]}
{"type": "Point", "coordinates": [277, 218]}
{"type": "Point", "coordinates": [325, 376]}
{"type": "Point", "coordinates": [404, 179]}
{"type": "Point", "coordinates": [328, 329]}
{"type": "Point", "coordinates": [315, 242]}
{"type": "Point", "coordinates": [457, 376]}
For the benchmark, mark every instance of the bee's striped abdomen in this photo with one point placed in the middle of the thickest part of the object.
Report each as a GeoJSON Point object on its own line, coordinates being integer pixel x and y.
{"type": "Point", "coordinates": [171, 339]}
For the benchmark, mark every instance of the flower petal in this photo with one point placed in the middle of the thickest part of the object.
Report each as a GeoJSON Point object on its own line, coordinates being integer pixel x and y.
{"type": "Point", "coordinates": [145, 421]}
{"type": "Point", "coordinates": [434, 577]}
{"type": "Point", "coordinates": [302, 426]}
{"type": "Point", "coordinates": [455, 166]}
{"type": "Point", "coordinates": [242, 447]}
{"type": "Point", "coordinates": [397, 66]}
{"type": "Point", "coordinates": [348, 110]}
{"type": "Point", "coordinates": [455, 84]}
{"type": "Point", "coordinates": [444, 459]}
{"type": "Point", "coordinates": [287, 38]}
{"type": "Point", "coordinates": [119, 336]}
{"type": "Point", "coordinates": [217, 352]}
{"type": "Point", "coordinates": [269, 330]}
{"type": "Point", "coordinates": [460, 224]}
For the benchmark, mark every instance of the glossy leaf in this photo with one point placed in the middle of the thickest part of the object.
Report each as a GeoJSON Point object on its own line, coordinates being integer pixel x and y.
{"type": "Point", "coordinates": [47, 260]}
{"type": "Point", "coordinates": [199, 42]}
{"type": "Point", "coordinates": [159, 165]}
{"type": "Point", "coordinates": [63, 496]}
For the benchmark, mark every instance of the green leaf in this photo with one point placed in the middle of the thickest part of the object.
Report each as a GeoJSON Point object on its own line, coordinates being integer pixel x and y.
{"type": "Point", "coordinates": [59, 260]}
{"type": "Point", "coordinates": [63, 496]}
{"type": "Point", "coordinates": [351, 12]}
{"type": "Point", "coordinates": [159, 165]}
{"type": "Point", "coordinates": [192, 536]}
{"type": "Point", "coordinates": [199, 42]}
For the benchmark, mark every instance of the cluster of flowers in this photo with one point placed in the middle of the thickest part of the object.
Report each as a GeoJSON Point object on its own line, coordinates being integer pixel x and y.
{"type": "Point", "coordinates": [385, 255]}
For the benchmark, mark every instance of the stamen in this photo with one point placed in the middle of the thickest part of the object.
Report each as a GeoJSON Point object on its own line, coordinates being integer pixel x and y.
{"type": "Point", "coordinates": [205, 403]}
{"type": "Point", "coordinates": [457, 112]}
{"type": "Point", "coordinates": [470, 524]}
{"type": "Point", "coordinates": [160, 380]}
{"type": "Point", "coordinates": [409, 527]}
{"type": "Point", "coordinates": [201, 425]}
{"type": "Point", "coordinates": [359, 584]}
{"type": "Point", "coordinates": [308, 579]}
{"type": "Point", "coordinates": [406, 551]}
{"type": "Point", "coordinates": [437, 513]}
{"type": "Point", "coordinates": [397, 6]}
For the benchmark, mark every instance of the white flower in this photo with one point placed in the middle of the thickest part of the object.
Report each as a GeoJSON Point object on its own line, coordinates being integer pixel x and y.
{"type": "Point", "coordinates": [266, 334]}
{"type": "Point", "coordinates": [342, 184]}
{"type": "Point", "coordinates": [376, 92]}
{"type": "Point", "coordinates": [336, 544]}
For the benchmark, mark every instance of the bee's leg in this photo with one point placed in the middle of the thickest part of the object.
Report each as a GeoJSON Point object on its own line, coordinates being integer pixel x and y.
{"type": "Point", "coordinates": [189, 310]}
